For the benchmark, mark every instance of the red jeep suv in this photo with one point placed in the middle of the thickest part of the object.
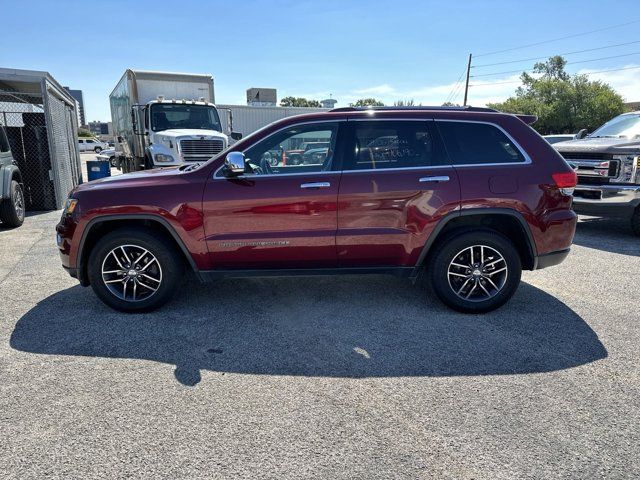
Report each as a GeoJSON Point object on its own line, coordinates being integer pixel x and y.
{"type": "Point", "coordinates": [462, 197]}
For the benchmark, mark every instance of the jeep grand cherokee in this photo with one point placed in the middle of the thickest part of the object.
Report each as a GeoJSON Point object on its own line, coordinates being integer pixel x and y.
{"type": "Point", "coordinates": [464, 198]}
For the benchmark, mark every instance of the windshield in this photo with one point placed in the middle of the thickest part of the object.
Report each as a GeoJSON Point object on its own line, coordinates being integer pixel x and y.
{"type": "Point", "coordinates": [169, 116]}
{"type": "Point", "coordinates": [623, 126]}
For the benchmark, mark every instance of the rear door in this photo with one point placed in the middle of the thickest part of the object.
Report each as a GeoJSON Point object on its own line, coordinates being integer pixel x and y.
{"type": "Point", "coordinates": [396, 185]}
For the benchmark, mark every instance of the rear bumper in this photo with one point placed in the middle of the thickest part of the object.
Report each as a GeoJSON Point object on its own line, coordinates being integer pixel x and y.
{"type": "Point", "coordinates": [606, 200]}
{"type": "Point", "coordinates": [551, 259]}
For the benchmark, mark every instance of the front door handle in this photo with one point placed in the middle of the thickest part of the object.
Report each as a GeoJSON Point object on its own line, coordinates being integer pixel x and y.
{"type": "Point", "coordinates": [436, 179]}
{"type": "Point", "coordinates": [316, 185]}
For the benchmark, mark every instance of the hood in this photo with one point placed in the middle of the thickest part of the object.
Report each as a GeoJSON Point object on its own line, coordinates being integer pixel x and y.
{"type": "Point", "coordinates": [599, 145]}
{"type": "Point", "coordinates": [190, 132]}
{"type": "Point", "coordinates": [141, 178]}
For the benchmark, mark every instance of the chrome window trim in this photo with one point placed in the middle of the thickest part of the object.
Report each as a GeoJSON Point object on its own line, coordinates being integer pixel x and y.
{"type": "Point", "coordinates": [429, 167]}
{"type": "Point", "coordinates": [310, 122]}
{"type": "Point", "coordinates": [523, 152]}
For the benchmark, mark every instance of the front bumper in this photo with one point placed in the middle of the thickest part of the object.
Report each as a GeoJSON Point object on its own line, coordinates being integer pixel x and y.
{"type": "Point", "coordinates": [606, 200]}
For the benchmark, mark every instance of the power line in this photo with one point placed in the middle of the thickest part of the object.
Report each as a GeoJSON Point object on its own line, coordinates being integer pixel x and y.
{"type": "Point", "coordinates": [558, 39]}
{"type": "Point", "coordinates": [545, 57]}
{"type": "Point", "coordinates": [586, 73]}
{"type": "Point", "coordinates": [455, 87]}
{"type": "Point", "coordinates": [568, 63]}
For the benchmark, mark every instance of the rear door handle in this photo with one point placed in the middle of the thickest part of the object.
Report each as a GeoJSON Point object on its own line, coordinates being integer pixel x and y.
{"type": "Point", "coordinates": [436, 179]}
{"type": "Point", "coordinates": [316, 185]}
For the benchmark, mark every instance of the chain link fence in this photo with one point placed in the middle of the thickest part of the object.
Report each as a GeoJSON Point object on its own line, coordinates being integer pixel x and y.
{"type": "Point", "coordinates": [41, 125]}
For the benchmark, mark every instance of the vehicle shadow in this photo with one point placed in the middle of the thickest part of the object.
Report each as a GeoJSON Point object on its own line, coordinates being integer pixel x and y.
{"type": "Point", "coordinates": [607, 234]}
{"type": "Point", "coordinates": [355, 327]}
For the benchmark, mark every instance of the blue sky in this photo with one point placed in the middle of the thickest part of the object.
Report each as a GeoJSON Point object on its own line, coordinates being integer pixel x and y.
{"type": "Point", "coordinates": [392, 50]}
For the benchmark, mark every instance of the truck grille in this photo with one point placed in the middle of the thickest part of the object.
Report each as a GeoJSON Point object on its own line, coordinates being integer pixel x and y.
{"type": "Point", "coordinates": [593, 168]}
{"type": "Point", "coordinates": [197, 150]}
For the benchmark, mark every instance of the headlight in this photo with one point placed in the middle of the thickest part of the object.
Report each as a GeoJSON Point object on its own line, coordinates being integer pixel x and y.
{"type": "Point", "coordinates": [160, 158]}
{"type": "Point", "coordinates": [70, 206]}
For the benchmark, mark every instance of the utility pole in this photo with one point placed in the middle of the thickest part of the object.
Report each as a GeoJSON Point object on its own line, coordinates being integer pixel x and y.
{"type": "Point", "coordinates": [466, 87]}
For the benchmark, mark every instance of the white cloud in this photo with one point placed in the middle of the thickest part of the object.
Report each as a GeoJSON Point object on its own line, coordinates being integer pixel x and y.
{"type": "Point", "coordinates": [481, 92]}
{"type": "Point", "coordinates": [625, 82]}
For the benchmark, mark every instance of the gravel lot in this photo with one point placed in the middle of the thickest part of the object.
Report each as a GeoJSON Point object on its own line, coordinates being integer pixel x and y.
{"type": "Point", "coordinates": [349, 377]}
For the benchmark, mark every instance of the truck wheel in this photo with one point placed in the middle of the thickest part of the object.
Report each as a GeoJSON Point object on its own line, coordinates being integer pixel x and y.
{"type": "Point", "coordinates": [133, 270]}
{"type": "Point", "coordinates": [112, 161]}
{"type": "Point", "coordinates": [97, 149]}
{"type": "Point", "coordinates": [474, 272]}
{"type": "Point", "coordinates": [12, 209]}
{"type": "Point", "coordinates": [635, 221]}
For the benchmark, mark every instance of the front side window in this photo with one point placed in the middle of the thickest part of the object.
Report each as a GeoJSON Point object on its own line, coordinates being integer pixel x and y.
{"type": "Point", "coordinates": [299, 149]}
{"type": "Point", "coordinates": [392, 144]}
{"type": "Point", "coordinates": [469, 143]}
{"type": "Point", "coordinates": [175, 116]}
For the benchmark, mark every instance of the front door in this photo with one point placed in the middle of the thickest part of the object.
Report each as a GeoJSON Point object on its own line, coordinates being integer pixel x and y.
{"type": "Point", "coordinates": [396, 186]}
{"type": "Point", "coordinates": [277, 215]}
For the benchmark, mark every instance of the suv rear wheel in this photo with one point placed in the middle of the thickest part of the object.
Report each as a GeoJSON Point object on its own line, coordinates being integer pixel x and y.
{"type": "Point", "coordinates": [132, 270]}
{"type": "Point", "coordinates": [97, 149]}
{"type": "Point", "coordinates": [12, 209]}
{"type": "Point", "coordinates": [475, 272]}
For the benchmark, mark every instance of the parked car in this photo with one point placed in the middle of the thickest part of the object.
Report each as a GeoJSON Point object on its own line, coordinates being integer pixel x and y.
{"type": "Point", "coordinates": [109, 155]}
{"type": "Point", "coordinates": [608, 166]}
{"type": "Point", "coordinates": [466, 219]}
{"type": "Point", "coordinates": [91, 145]}
{"type": "Point", "coordinates": [12, 202]}
{"type": "Point", "coordinates": [559, 137]}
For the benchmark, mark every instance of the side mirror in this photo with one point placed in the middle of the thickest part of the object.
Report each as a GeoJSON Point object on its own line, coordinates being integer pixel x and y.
{"type": "Point", "coordinates": [581, 134]}
{"type": "Point", "coordinates": [234, 163]}
{"type": "Point", "coordinates": [236, 135]}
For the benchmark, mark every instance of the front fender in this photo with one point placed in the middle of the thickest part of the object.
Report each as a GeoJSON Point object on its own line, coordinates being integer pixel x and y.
{"type": "Point", "coordinates": [7, 174]}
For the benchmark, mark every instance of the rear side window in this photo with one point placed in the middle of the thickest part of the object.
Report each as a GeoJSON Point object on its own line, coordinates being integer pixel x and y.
{"type": "Point", "coordinates": [4, 143]}
{"type": "Point", "coordinates": [469, 143]}
{"type": "Point", "coordinates": [393, 144]}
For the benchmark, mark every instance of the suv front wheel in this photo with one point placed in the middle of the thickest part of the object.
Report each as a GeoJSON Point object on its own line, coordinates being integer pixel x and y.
{"type": "Point", "coordinates": [475, 272]}
{"type": "Point", "coordinates": [132, 270]}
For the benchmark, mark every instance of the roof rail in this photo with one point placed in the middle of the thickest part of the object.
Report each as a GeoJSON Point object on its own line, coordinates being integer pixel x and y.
{"type": "Point", "coordinates": [455, 109]}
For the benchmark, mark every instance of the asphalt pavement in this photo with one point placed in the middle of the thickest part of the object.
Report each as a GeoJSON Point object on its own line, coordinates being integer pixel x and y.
{"type": "Point", "coordinates": [336, 377]}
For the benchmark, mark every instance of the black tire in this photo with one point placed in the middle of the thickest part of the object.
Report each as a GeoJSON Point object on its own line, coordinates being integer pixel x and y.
{"type": "Point", "coordinates": [112, 161]}
{"type": "Point", "coordinates": [169, 264]}
{"type": "Point", "coordinates": [97, 149]}
{"type": "Point", "coordinates": [635, 221]}
{"type": "Point", "coordinates": [456, 248]}
{"type": "Point", "coordinates": [12, 209]}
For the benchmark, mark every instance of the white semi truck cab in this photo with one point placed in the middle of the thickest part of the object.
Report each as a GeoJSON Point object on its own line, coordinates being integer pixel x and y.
{"type": "Point", "coordinates": [179, 131]}
{"type": "Point", "coordinates": [163, 119]}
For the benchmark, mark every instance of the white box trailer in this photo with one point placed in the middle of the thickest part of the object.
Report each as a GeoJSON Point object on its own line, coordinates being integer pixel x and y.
{"type": "Point", "coordinates": [162, 119]}
{"type": "Point", "coordinates": [247, 119]}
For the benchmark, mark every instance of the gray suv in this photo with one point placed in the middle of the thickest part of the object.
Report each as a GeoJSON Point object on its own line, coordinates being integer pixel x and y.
{"type": "Point", "coordinates": [11, 192]}
{"type": "Point", "coordinates": [608, 166]}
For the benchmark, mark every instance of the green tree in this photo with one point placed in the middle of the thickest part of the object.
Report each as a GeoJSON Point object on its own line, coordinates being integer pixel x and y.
{"type": "Point", "coordinates": [405, 103]}
{"type": "Point", "coordinates": [563, 103]}
{"type": "Point", "coordinates": [368, 102]}
{"type": "Point", "coordinates": [450, 104]}
{"type": "Point", "coordinates": [83, 132]}
{"type": "Point", "coordinates": [298, 102]}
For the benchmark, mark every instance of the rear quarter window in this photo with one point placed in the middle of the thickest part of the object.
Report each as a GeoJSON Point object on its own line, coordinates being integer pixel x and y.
{"type": "Point", "coordinates": [471, 143]}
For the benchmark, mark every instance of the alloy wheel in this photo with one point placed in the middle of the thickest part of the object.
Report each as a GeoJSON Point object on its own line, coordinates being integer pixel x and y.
{"type": "Point", "coordinates": [131, 273]}
{"type": "Point", "coordinates": [18, 203]}
{"type": "Point", "coordinates": [477, 273]}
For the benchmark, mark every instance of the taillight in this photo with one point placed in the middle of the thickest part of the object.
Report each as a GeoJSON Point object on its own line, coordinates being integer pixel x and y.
{"type": "Point", "coordinates": [566, 181]}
